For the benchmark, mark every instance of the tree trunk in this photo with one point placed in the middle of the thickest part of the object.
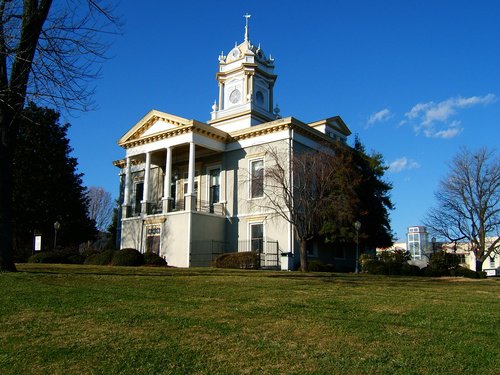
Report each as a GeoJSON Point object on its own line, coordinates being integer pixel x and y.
{"type": "Point", "coordinates": [6, 157]}
{"type": "Point", "coordinates": [13, 96]}
{"type": "Point", "coordinates": [479, 265]}
{"type": "Point", "coordinates": [304, 266]}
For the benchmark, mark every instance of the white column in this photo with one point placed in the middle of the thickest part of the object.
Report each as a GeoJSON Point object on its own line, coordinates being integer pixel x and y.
{"type": "Point", "coordinates": [145, 196]}
{"type": "Point", "coordinates": [191, 169]}
{"type": "Point", "coordinates": [126, 193]}
{"type": "Point", "coordinates": [168, 174]}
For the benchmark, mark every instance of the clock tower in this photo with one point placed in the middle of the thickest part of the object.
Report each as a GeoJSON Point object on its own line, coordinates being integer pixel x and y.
{"type": "Point", "coordinates": [246, 82]}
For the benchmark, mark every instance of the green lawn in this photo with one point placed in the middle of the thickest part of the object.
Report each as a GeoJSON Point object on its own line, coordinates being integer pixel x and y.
{"type": "Point", "coordinates": [59, 319]}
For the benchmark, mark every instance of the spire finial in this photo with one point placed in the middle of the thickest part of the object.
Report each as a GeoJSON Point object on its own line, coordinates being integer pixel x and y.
{"type": "Point", "coordinates": [247, 16]}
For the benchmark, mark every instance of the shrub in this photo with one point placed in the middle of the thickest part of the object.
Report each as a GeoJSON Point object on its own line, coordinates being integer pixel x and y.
{"type": "Point", "coordinates": [47, 257]}
{"type": "Point", "coordinates": [410, 270]}
{"type": "Point", "coordinates": [365, 260]}
{"type": "Point", "coordinates": [318, 266]}
{"type": "Point", "coordinates": [21, 255]}
{"type": "Point", "coordinates": [442, 264]}
{"type": "Point", "coordinates": [67, 255]}
{"type": "Point", "coordinates": [247, 260]}
{"type": "Point", "coordinates": [432, 272]}
{"type": "Point", "coordinates": [375, 267]}
{"type": "Point", "coordinates": [89, 252]}
{"type": "Point", "coordinates": [388, 263]}
{"type": "Point", "coordinates": [465, 272]}
{"type": "Point", "coordinates": [100, 259]}
{"type": "Point", "coordinates": [75, 259]}
{"type": "Point", "coordinates": [127, 257]}
{"type": "Point", "coordinates": [152, 259]}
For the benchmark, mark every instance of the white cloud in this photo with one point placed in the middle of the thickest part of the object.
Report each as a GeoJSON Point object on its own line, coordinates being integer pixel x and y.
{"type": "Point", "coordinates": [402, 164]}
{"type": "Point", "coordinates": [452, 131]}
{"type": "Point", "coordinates": [380, 116]}
{"type": "Point", "coordinates": [433, 118]}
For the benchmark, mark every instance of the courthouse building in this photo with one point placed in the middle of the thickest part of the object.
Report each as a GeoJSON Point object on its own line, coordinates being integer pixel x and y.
{"type": "Point", "coordinates": [193, 189]}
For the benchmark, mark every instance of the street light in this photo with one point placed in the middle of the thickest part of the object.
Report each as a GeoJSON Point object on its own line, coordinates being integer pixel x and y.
{"type": "Point", "coordinates": [433, 239]}
{"type": "Point", "coordinates": [357, 226]}
{"type": "Point", "coordinates": [57, 225]}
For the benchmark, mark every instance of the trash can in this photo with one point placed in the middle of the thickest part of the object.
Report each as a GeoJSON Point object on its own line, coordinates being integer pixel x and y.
{"type": "Point", "coordinates": [286, 261]}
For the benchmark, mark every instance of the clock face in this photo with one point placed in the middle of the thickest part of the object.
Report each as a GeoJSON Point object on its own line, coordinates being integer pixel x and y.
{"type": "Point", "coordinates": [235, 96]}
{"type": "Point", "coordinates": [235, 53]}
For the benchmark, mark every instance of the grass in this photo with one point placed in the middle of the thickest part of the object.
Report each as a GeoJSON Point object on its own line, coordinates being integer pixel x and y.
{"type": "Point", "coordinates": [63, 319]}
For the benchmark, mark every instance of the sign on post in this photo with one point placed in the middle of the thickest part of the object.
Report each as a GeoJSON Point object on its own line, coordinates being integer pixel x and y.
{"type": "Point", "coordinates": [38, 242]}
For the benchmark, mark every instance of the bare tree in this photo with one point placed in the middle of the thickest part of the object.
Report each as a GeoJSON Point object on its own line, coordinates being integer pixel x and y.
{"type": "Point", "coordinates": [469, 203]}
{"type": "Point", "coordinates": [47, 54]}
{"type": "Point", "coordinates": [309, 188]}
{"type": "Point", "coordinates": [100, 207]}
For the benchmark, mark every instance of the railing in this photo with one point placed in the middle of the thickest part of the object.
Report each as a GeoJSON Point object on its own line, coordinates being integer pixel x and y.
{"type": "Point", "coordinates": [178, 205]}
{"type": "Point", "coordinates": [204, 252]}
{"type": "Point", "coordinates": [267, 249]}
{"type": "Point", "coordinates": [200, 206]}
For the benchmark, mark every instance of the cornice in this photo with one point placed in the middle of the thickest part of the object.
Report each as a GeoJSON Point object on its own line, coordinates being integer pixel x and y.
{"type": "Point", "coordinates": [259, 130]}
{"type": "Point", "coordinates": [245, 67]}
{"type": "Point", "coordinates": [151, 121]}
{"type": "Point", "coordinates": [122, 163]}
{"type": "Point", "coordinates": [193, 127]}
{"type": "Point", "coordinates": [251, 111]}
{"type": "Point", "coordinates": [279, 125]}
{"type": "Point", "coordinates": [155, 220]}
{"type": "Point", "coordinates": [216, 134]}
{"type": "Point", "coordinates": [336, 122]}
{"type": "Point", "coordinates": [148, 120]}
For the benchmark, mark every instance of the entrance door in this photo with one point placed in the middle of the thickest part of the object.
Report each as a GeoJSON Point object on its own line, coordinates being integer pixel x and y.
{"type": "Point", "coordinates": [153, 239]}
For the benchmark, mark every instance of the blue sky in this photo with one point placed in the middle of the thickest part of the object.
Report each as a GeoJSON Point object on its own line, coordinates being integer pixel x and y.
{"type": "Point", "coordinates": [416, 80]}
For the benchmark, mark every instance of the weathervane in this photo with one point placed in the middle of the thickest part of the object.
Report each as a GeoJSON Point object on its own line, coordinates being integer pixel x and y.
{"type": "Point", "coordinates": [247, 16]}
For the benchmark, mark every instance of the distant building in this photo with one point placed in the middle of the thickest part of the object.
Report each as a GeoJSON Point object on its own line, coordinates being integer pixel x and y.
{"type": "Point", "coordinates": [417, 242]}
{"type": "Point", "coordinates": [491, 265]}
{"type": "Point", "coordinates": [421, 250]}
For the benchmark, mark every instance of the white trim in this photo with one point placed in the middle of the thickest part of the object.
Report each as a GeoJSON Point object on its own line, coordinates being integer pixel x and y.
{"type": "Point", "coordinates": [158, 225]}
{"type": "Point", "coordinates": [249, 233]}
{"type": "Point", "coordinates": [260, 214]}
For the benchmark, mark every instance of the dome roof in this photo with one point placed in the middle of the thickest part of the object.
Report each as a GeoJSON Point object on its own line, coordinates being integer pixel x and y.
{"type": "Point", "coordinates": [239, 52]}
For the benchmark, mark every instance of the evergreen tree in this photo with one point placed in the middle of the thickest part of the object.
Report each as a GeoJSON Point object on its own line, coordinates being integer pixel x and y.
{"type": "Point", "coordinates": [371, 208]}
{"type": "Point", "coordinates": [47, 185]}
{"type": "Point", "coordinates": [374, 198]}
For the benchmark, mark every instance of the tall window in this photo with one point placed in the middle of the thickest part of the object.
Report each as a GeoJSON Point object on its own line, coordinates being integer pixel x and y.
{"type": "Point", "coordinates": [195, 187]}
{"type": "Point", "coordinates": [139, 192]}
{"type": "Point", "coordinates": [257, 178]}
{"type": "Point", "coordinates": [257, 237]}
{"type": "Point", "coordinates": [214, 186]}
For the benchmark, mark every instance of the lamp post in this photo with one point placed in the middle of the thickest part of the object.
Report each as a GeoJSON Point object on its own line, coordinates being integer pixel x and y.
{"type": "Point", "coordinates": [357, 226]}
{"type": "Point", "coordinates": [433, 239]}
{"type": "Point", "coordinates": [57, 225]}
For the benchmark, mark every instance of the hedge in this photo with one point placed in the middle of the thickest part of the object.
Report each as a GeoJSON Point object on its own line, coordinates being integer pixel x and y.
{"type": "Point", "coordinates": [154, 260]}
{"type": "Point", "coordinates": [246, 260]}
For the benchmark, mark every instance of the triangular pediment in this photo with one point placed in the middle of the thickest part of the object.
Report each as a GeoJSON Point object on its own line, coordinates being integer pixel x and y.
{"type": "Point", "coordinates": [153, 123]}
{"type": "Point", "coordinates": [335, 122]}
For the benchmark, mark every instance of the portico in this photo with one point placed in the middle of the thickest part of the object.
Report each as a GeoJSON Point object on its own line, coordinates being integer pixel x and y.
{"type": "Point", "coordinates": [152, 159]}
